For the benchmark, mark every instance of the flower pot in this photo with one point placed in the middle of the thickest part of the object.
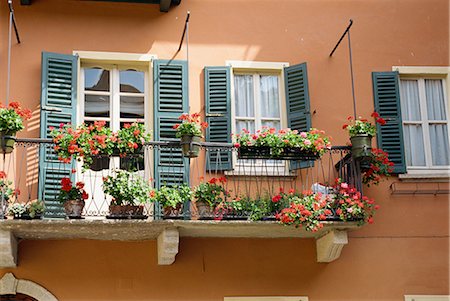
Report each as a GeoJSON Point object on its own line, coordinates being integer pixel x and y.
{"type": "Point", "coordinates": [254, 152]}
{"type": "Point", "coordinates": [296, 153]}
{"type": "Point", "coordinates": [126, 211]}
{"type": "Point", "coordinates": [189, 149]}
{"type": "Point", "coordinates": [361, 146]}
{"type": "Point", "coordinates": [205, 211]}
{"type": "Point", "coordinates": [173, 212]}
{"type": "Point", "coordinates": [99, 163]}
{"type": "Point", "coordinates": [7, 141]}
{"type": "Point", "coordinates": [74, 208]}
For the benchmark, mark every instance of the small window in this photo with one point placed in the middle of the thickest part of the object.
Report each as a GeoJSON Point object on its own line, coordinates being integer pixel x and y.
{"type": "Point", "coordinates": [425, 123]}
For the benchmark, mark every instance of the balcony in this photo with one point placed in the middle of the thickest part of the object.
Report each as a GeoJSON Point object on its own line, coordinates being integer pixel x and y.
{"type": "Point", "coordinates": [36, 172]}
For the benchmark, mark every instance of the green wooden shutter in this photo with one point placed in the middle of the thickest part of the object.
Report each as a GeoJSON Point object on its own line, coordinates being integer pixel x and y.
{"type": "Point", "coordinates": [387, 104]}
{"type": "Point", "coordinates": [297, 103]}
{"type": "Point", "coordinates": [218, 115]}
{"type": "Point", "coordinates": [58, 105]}
{"type": "Point", "coordinates": [170, 101]}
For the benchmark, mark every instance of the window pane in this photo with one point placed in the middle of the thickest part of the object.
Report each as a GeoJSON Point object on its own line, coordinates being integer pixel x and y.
{"type": "Point", "coordinates": [409, 97]}
{"type": "Point", "coordinates": [244, 98]}
{"type": "Point", "coordinates": [96, 106]}
{"type": "Point", "coordinates": [415, 153]}
{"type": "Point", "coordinates": [439, 144]}
{"type": "Point", "coordinates": [435, 99]}
{"type": "Point", "coordinates": [245, 124]}
{"type": "Point", "coordinates": [132, 81]}
{"type": "Point", "coordinates": [131, 107]}
{"type": "Point", "coordinates": [271, 124]}
{"type": "Point", "coordinates": [269, 96]}
{"type": "Point", "coordinates": [96, 79]}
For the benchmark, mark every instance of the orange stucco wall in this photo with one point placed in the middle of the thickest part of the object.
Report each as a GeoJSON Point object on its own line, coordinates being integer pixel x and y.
{"type": "Point", "coordinates": [406, 251]}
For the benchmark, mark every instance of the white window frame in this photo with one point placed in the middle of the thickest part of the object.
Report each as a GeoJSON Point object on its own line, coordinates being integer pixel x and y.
{"type": "Point", "coordinates": [427, 297]}
{"type": "Point", "coordinates": [422, 73]}
{"type": "Point", "coordinates": [258, 68]}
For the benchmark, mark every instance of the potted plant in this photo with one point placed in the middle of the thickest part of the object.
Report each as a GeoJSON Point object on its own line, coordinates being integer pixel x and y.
{"type": "Point", "coordinates": [6, 191]}
{"type": "Point", "coordinates": [131, 139]}
{"type": "Point", "coordinates": [11, 122]}
{"type": "Point", "coordinates": [361, 132]}
{"type": "Point", "coordinates": [129, 193]}
{"type": "Point", "coordinates": [283, 144]}
{"type": "Point", "coordinates": [88, 142]}
{"type": "Point", "coordinates": [350, 205]}
{"type": "Point", "coordinates": [72, 197]}
{"type": "Point", "coordinates": [31, 210]}
{"type": "Point", "coordinates": [306, 210]}
{"type": "Point", "coordinates": [376, 167]}
{"type": "Point", "coordinates": [172, 199]}
{"type": "Point", "coordinates": [190, 132]}
{"type": "Point", "coordinates": [208, 195]}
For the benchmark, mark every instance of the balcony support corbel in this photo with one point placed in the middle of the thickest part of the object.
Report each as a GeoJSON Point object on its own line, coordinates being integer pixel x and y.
{"type": "Point", "coordinates": [168, 242]}
{"type": "Point", "coordinates": [330, 245]}
{"type": "Point", "coordinates": [8, 249]}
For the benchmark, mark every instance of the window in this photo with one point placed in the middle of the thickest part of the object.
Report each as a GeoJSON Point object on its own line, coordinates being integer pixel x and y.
{"type": "Point", "coordinates": [427, 298]}
{"type": "Point", "coordinates": [115, 94]}
{"type": "Point", "coordinates": [425, 123]}
{"type": "Point", "coordinates": [256, 101]}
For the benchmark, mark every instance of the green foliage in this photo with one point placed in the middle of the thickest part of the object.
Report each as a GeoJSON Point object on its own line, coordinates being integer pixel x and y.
{"type": "Point", "coordinates": [127, 188]}
{"type": "Point", "coordinates": [32, 209]}
{"type": "Point", "coordinates": [12, 117]}
{"type": "Point", "coordinates": [131, 138]}
{"type": "Point", "coordinates": [172, 196]}
{"type": "Point", "coordinates": [190, 125]}
{"type": "Point", "coordinates": [211, 192]}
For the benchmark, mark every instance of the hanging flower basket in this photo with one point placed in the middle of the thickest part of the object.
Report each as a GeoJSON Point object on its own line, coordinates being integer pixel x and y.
{"type": "Point", "coordinates": [189, 146]}
{"type": "Point", "coordinates": [7, 142]}
{"type": "Point", "coordinates": [254, 152]}
{"type": "Point", "coordinates": [361, 146]}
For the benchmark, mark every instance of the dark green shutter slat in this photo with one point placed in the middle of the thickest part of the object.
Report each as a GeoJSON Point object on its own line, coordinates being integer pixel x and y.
{"type": "Point", "coordinates": [218, 115]}
{"type": "Point", "coordinates": [297, 103]}
{"type": "Point", "coordinates": [387, 104]}
{"type": "Point", "coordinates": [58, 91]}
{"type": "Point", "coordinates": [170, 101]}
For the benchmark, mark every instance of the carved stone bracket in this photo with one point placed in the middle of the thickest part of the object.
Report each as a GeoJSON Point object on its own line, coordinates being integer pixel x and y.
{"type": "Point", "coordinates": [168, 242]}
{"type": "Point", "coordinates": [330, 245]}
{"type": "Point", "coordinates": [8, 249]}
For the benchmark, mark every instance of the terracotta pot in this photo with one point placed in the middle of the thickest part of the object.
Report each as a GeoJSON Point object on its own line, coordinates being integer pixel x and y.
{"type": "Point", "coordinates": [125, 211]}
{"type": "Point", "coordinates": [205, 211]}
{"type": "Point", "coordinates": [74, 208]}
{"type": "Point", "coordinates": [361, 146]}
{"type": "Point", "coordinates": [190, 150]}
{"type": "Point", "coordinates": [173, 213]}
{"type": "Point", "coordinates": [7, 141]}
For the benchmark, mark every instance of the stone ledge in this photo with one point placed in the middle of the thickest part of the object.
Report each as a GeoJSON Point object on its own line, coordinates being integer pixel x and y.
{"type": "Point", "coordinates": [132, 230]}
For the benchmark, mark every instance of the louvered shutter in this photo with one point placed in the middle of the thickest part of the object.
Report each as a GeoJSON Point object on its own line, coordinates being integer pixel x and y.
{"type": "Point", "coordinates": [218, 115]}
{"type": "Point", "coordinates": [297, 103]}
{"type": "Point", "coordinates": [387, 104]}
{"type": "Point", "coordinates": [170, 101]}
{"type": "Point", "coordinates": [58, 105]}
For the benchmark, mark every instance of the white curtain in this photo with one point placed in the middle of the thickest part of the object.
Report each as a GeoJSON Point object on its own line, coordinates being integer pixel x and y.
{"type": "Point", "coordinates": [244, 102]}
{"type": "Point", "coordinates": [437, 112]}
{"type": "Point", "coordinates": [413, 133]}
{"type": "Point", "coordinates": [269, 106]}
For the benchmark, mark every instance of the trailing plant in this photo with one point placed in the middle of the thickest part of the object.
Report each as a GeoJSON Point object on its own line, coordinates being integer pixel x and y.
{"type": "Point", "coordinates": [305, 210]}
{"type": "Point", "coordinates": [70, 192]}
{"type": "Point", "coordinates": [127, 188]}
{"type": "Point", "coordinates": [131, 138]}
{"type": "Point", "coordinates": [349, 204]}
{"type": "Point", "coordinates": [379, 166]}
{"type": "Point", "coordinates": [12, 118]}
{"type": "Point", "coordinates": [190, 125]}
{"type": "Point", "coordinates": [363, 126]}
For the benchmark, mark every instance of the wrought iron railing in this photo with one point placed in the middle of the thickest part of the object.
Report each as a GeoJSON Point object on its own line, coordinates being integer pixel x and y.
{"type": "Point", "coordinates": [35, 173]}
